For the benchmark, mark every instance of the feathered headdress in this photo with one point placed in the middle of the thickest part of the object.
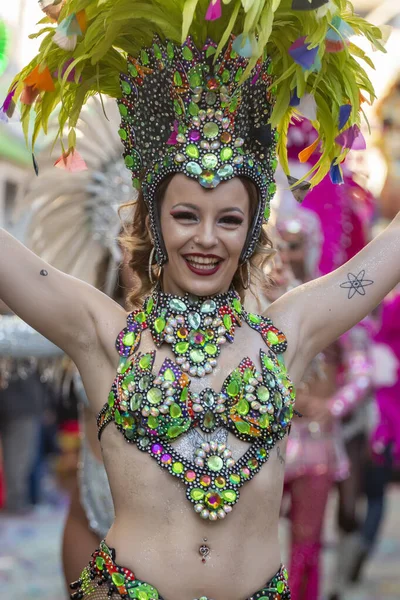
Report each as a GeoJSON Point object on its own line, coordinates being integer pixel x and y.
{"type": "Point", "coordinates": [205, 87]}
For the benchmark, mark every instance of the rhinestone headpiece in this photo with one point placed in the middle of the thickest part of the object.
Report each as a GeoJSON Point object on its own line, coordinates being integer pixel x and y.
{"type": "Point", "coordinates": [183, 113]}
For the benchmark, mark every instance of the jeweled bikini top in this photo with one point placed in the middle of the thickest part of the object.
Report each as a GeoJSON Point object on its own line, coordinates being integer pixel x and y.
{"type": "Point", "coordinates": [153, 410]}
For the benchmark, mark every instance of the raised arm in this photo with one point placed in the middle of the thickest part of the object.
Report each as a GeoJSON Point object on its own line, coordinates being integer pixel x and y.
{"type": "Point", "coordinates": [62, 308]}
{"type": "Point", "coordinates": [323, 309]}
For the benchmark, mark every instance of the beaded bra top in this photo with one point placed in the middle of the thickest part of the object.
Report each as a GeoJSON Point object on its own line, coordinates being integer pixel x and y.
{"type": "Point", "coordinates": [153, 410]}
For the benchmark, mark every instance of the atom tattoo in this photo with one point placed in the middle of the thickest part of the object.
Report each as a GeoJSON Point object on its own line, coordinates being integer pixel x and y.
{"type": "Point", "coordinates": [356, 284]}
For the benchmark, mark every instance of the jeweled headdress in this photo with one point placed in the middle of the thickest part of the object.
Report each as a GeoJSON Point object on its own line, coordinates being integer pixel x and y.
{"type": "Point", "coordinates": [205, 88]}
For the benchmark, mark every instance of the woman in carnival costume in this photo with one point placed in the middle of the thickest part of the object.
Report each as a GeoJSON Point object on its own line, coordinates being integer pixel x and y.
{"type": "Point", "coordinates": [200, 398]}
{"type": "Point", "coordinates": [336, 384]}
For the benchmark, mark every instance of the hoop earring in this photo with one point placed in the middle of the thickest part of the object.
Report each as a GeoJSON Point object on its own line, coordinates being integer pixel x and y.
{"type": "Point", "coordinates": [247, 285]}
{"type": "Point", "coordinates": [150, 269]}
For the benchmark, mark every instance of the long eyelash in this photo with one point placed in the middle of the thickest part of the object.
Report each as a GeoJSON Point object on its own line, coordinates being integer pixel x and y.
{"type": "Point", "coordinates": [232, 220]}
{"type": "Point", "coordinates": [183, 215]}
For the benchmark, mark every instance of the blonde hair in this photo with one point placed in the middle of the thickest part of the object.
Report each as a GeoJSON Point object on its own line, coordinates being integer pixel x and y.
{"type": "Point", "coordinates": [137, 243]}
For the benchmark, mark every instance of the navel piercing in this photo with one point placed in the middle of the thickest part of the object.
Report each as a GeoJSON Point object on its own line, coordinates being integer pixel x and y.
{"type": "Point", "coordinates": [204, 551]}
{"type": "Point", "coordinates": [44, 273]}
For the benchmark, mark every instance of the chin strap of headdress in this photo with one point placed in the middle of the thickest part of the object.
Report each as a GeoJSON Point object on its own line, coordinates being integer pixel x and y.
{"type": "Point", "coordinates": [204, 87]}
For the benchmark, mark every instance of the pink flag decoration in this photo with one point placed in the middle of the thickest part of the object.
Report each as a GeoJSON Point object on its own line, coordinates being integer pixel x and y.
{"type": "Point", "coordinates": [214, 10]}
{"type": "Point", "coordinates": [71, 161]}
{"type": "Point", "coordinates": [172, 141]}
{"type": "Point", "coordinates": [303, 55]}
{"type": "Point", "coordinates": [339, 36]}
{"type": "Point", "coordinates": [351, 138]}
{"type": "Point", "coordinates": [344, 114]}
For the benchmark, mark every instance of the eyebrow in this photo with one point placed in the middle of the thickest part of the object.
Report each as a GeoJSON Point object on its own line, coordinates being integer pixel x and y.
{"type": "Point", "coordinates": [194, 207]}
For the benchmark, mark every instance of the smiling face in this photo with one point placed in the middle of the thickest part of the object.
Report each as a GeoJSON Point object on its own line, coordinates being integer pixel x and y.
{"type": "Point", "coordinates": [204, 233]}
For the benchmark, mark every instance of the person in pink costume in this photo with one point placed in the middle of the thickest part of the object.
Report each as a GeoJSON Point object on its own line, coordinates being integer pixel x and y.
{"type": "Point", "coordinates": [338, 381]}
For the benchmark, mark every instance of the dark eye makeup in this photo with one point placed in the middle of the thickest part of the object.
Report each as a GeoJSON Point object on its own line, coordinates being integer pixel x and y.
{"type": "Point", "coordinates": [185, 215]}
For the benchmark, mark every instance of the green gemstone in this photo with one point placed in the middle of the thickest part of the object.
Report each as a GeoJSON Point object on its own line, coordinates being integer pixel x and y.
{"type": "Point", "coordinates": [234, 104]}
{"type": "Point", "coordinates": [262, 393]}
{"type": "Point", "coordinates": [126, 88]}
{"type": "Point", "coordinates": [170, 50]}
{"type": "Point", "coordinates": [280, 586]}
{"type": "Point", "coordinates": [136, 183]}
{"type": "Point", "coordinates": [226, 153]}
{"type": "Point", "coordinates": [211, 98]}
{"type": "Point", "coordinates": [234, 478]}
{"type": "Point", "coordinates": [278, 400]}
{"type": "Point", "coordinates": [182, 347]}
{"type": "Point", "coordinates": [226, 76]}
{"type": "Point", "coordinates": [196, 494]}
{"type": "Point", "coordinates": [264, 421]}
{"type": "Point", "coordinates": [209, 180]}
{"type": "Point", "coordinates": [140, 317]}
{"type": "Point", "coordinates": [136, 401]}
{"type": "Point", "coordinates": [193, 109]}
{"type": "Point", "coordinates": [177, 107]}
{"type": "Point", "coordinates": [237, 305]}
{"type": "Point", "coordinates": [149, 305]}
{"type": "Point", "coordinates": [210, 51]}
{"type": "Point", "coordinates": [122, 134]}
{"type": "Point", "coordinates": [225, 171]}
{"type": "Point", "coordinates": [128, 339]}
{"type": "Point", "coordinates": [197, 356]}
{"type": "Point", "coordinates": [195, 80]}
{"type": "Point", "coordinates": [174, 431]}
{"type": "Point", "coordinates": [229, 495]}
{"type": "Point", "coordinates": [175, 411]}
{"type": "Point", "coordinates": [208, 306]}
{"type": "Point", "coordinates": [111, 399]}
{"type": "Point", "coordinates": [145, 361]}
{"type": "Point", "coordinates": [127, 381]}
{"type": "Point", "coordinates": [123, 109]}
{"type": "Point", "coordinates": [169, 375]}
{"type": "Point", "coordinates": [256, 319]}
{"type": "Point", "coordinates": [177, 79]}
{"type": "Point", "coordinates": [159, 324]}
{"type": "Point", "coordinates": [184, 394]}
{"type": "Point", "coordinates": [269, 363]}
{"type": "Point", "coordinates": [211, 349]}
{"type": "Point", "coordinates": [242, 427]}
{"type": "Point", "coordinates": [177, 305]}
{"type": "Point", "coordinates": [128, 160]}
{"type": "Point", "coordinates": [177, 468]}
{"type": "Point", "coordinates": [247, 375]}
{"type": "Point", "coordinates": [154, 395]}
{"type": "Point", "coordinates": [192, 151]}
{"type": "Point", "coordinates": [144, 57]}
{"type": "Point", "coordinates": [211, 130]}
{"type": "Point", "coordinates": [157, 51]}
{"type": "Point", "coordinates": [152, 422]}
{"type": "Point", "coordinates": [193, 168]}
{"type": "Point", "coordinates": [239, 73]}
{"type": "Point", "coordinates": [118, 579]}
{"type": "Point", "coordinates": [243, 407]}
{"type": "Point", "coordinates": [233, 389]}
{"type": "Point", "coordinates": [209, 420]}
{"type": "Point", "coordinates": [132, 70]}
{"type": "Point", "coordinates": [144, 382]}
{"type": "Point", "coordinates": [209, 161]}
{"type": "Point", "coordinates": [99, 562]}
{"type": "Point", "coordinates": [215, 463]}
{"type": "Point", "coordinates": [272, 188]}
{"type": "Point", "coordinates": [227, 322]}
{"type": "Point", "coordinates": [272, 338]}
{"type": "Point", "coordinates": [117, 417]}
{"type": "Point", "coordinates": [187, 53]}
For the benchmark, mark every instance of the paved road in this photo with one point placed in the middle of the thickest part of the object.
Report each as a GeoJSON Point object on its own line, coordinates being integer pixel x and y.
{"type": "Point", "coordinates": [30, 566]}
